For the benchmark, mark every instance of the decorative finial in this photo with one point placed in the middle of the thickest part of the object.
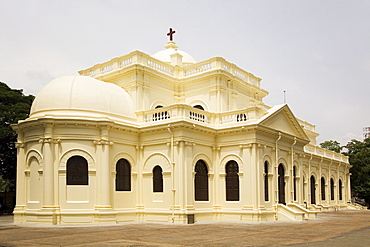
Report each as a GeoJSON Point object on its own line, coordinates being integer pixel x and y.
{"type": "Point", "coordinates": [171, 34]}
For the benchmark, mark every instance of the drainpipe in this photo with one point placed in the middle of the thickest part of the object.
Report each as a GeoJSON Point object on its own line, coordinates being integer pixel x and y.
{"type": "Point", "coordinates": [292, 176]}
{"type": "Point", "coordinates": [277, 176]}
{"type": "Point", "coordinates": [172, 175]}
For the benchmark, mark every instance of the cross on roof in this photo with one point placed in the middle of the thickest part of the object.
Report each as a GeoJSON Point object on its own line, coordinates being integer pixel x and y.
{"type": "Point", "coordinates": [171, 34]}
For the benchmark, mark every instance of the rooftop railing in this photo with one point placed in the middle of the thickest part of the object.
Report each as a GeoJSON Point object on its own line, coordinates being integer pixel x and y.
{"type": "Point", "coordinates": [307, 125]}
{"type": "Point", "coordinates": [187, 112]}
{"type": "Point", "coordinates": [325, 153]}
{"type": "Point", "coordinates": [143, 59]}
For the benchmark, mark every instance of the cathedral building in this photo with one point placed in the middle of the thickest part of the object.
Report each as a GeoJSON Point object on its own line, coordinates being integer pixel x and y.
{"type": "Point", "coordinates": [165, 138]}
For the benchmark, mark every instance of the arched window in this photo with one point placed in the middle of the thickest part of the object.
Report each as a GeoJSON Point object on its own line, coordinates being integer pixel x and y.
{"type": "Point", "coordinates": [340, 190]}
{"type": "Point", "coordinates": [201, 181]}
{"type": "Point", "coordinates": [158, 106]}
{"type": "Point", "coordinates": [313, 190]}
{"type": "Point", "coordinates": [123, 175]}
{"type": "Point", "coordinates": [294, 183]}
{"type": "Point", "coordinates": [266, 179]}
{"type": "Point", "coordinates": [199, 107]}
{"type": "Point", "coordinates": [331, 189]}
{"type": "Point", "coordinates": [157, 179]}
{"type": "Point", "coordinates": [281, 183]}
{"type": "Point", "coordinates": [77, 171]}
{"type": "Point", "coordinates": [232, 181]}
{"type": "Point", "coordinates": [322, 188]}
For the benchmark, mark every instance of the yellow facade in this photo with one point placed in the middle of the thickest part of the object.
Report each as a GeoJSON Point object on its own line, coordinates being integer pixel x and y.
{"type": "Point", "coordinates": [165, 138]}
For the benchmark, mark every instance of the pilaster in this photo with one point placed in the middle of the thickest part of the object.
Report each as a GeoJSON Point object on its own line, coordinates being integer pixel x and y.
{"type": "Point", "coordinates": [21, 180]}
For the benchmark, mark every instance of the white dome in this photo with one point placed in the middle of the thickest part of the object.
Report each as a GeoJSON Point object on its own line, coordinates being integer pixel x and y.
{"type": "Point", "coordinates": [171, 48]}
{"type": "Point", "coordinates": [82, 96]}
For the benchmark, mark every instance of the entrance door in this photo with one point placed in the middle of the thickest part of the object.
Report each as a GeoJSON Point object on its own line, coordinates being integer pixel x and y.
{"type": "Point", "coordinates": [313, 190]}
{"type": "Point", "coordinates": [281, 184]}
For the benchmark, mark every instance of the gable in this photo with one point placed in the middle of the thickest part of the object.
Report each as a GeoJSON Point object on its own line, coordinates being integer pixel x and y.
{"type": "Point", "coordinates": [282, 119]}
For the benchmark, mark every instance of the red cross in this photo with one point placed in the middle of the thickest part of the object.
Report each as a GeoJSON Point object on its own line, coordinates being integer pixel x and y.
{"type": "Point", "coordinates": [171, 33]}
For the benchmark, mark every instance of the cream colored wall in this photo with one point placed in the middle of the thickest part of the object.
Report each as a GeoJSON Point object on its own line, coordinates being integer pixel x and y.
{"type": "Point", "coordinates": [176, 147]}
{"type": "Point", "coordinates": [190, 145]}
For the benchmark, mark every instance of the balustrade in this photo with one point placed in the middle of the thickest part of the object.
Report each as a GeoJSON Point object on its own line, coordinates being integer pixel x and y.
{"type": "Point", "coordinates": [198, 117]}
{"type": "Point", "coordinates": [185, 71]}
{"type": "Point", "coordinates": [325, 152]}
{"type": "Point", "coordinates": [161, 67]}
{"type": "Point", "coordinates": [126, 62]}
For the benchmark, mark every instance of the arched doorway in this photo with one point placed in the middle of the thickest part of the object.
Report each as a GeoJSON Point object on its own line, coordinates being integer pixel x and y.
{"type": "Point", "coordinates": [281, 184]}
{"type": "Point", "coordinates": [313, 190]}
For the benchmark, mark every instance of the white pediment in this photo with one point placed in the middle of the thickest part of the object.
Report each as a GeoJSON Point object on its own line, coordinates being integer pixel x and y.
{"type": "Point", "coordinates": [282, 119]}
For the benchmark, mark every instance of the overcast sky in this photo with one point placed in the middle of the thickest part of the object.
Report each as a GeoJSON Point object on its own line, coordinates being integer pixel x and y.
{"type": "Point", "coordinates": [317, 51]}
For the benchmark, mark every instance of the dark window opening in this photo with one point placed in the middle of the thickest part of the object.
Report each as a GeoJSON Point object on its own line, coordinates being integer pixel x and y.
{"type": "Point", "coordinates": [123, 175]}
{"type": "Point", "coordinates": [323, 196]}
{"type": "Point", "coordinates": [331, 189]}
{"type": "Point", "coordinates": [199, 107]}
{"type": "Point", "coordinates": [201, 181]}
{"type": "Point", "coordinates": [281, 183]}
{"type": "Point", "coordinates": [77, 171]}
{"type": "Point", "coordinates": [340, 190]}
{"type": "Point", "coordinates": [266, 180]}
{"type": "Point", "coordinates": [232, 181]}
{"type": "Point", "coordinates": [313, 190]}
{"type": "Point", "coordinates": [157, 179]}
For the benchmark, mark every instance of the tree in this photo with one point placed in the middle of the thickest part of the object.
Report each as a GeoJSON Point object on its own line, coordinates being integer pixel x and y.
{"type": "Point", "coordinates": [359, 158]}
{"type": "Point", "coordinates": [14, 106]}
{"type": "Point", "coordinates": [331, 145]}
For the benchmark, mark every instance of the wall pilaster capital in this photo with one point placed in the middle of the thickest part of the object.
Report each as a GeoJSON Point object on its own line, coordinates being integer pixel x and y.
{"type": "Point", "coordinates": [49, 140]}
{"type": "Point", "coordinates": [102, 142]}
{"type": "Point", "coordinates": [19, 144]}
